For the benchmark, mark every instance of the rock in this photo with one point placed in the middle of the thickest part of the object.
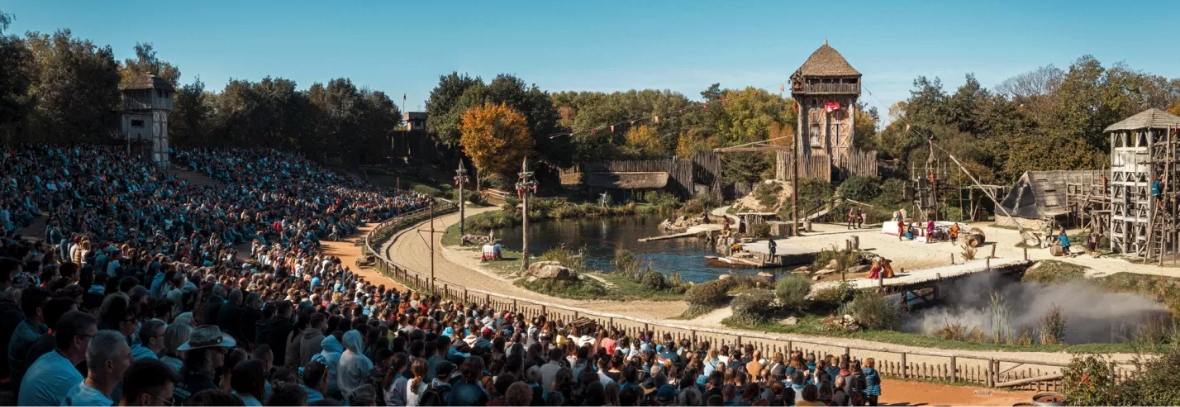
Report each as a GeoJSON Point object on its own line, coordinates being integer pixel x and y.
{"type": "Point", "coordinates": [824, 272]}
{"type": "Point", "coordinates": [863, 268]}
{"type": "Point", "coordinates": [832, 264]}
{"type": "Point", "coordinates": [816, 278]}
{"type": "Point", "coordinates": [556, 272]}
{"type": "Point", "coordinates": [536, 267]}
{"type": "Point", "coordinates": [767, 277]}
{"type": "Point", "coordinates": [724, 277]}
{"type": "Point", "coordinates": [791, 321]}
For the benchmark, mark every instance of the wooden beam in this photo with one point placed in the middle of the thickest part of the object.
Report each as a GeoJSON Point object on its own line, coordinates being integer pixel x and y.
{"type": "Point", "coordinates": [745, 149]}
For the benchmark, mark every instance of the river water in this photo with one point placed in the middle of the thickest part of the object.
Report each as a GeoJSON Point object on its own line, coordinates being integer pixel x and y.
{"type": "Point", "coordinates": [601, 236]}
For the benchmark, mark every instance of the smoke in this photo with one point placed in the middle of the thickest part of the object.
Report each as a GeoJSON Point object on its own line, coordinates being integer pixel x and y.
{"type": "Point", "coordinates": [1092, 314]}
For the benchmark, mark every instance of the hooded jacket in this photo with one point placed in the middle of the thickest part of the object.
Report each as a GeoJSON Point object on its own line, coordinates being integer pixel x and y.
{"type": "Point", "coordinates": [330, 357]}
{"type": "Point", "coordinates": [354, 365]}
{"type": "Point", "coordinates": [310, 345]}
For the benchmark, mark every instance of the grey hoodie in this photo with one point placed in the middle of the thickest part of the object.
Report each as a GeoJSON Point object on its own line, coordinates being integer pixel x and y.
{"type": "Point", "coordinates": [309, 345]}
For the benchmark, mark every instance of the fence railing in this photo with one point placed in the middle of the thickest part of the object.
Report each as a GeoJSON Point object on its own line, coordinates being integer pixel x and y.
{"type": "Point", "coordinates": [1009, 372]}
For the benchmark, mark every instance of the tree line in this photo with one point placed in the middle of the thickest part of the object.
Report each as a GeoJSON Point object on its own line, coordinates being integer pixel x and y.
{"type": "Point", "coordinates": [57, 88]}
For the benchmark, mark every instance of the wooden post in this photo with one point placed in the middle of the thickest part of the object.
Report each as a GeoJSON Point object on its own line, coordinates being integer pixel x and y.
{"type": "Point", "coordinates": [991, 373]}
{"type": "Point", "coordinates": [952, 258]}
{"type": "Point", "coordinates": [904, 366]}
{"type": "Point", "coordinates": [989, 263]}
{"type": "Point", "coordinates": [993, 255]}
{"type": "Point", "coordinates": [954, 370]}
{"type": "Point", "coordinates": [1025, 253]}
{"type": "Point", "coordinates": [432, 245]}
{"type": "Point", "coordinates": [543, 312]}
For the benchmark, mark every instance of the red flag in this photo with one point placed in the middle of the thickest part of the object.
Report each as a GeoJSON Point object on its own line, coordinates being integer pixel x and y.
{"type": "Point", "coordinates": [403, 97]}
{"type": "Point", "coordinates": [831, 106]}
{"type": "Point", "coordinates": [781, 88]}
{"type": "Point", "coordinates": [796, 107]}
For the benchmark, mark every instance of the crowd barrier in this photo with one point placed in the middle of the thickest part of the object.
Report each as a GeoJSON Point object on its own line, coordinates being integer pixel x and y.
{"type": "Point", "coordinates": [947, 366]}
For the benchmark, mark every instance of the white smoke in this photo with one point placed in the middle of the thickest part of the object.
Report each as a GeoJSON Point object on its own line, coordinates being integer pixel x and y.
{"type": "Point", "coordinates": [1092, 314]}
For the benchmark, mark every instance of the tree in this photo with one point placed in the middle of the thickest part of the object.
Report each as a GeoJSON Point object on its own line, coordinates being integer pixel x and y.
{"type": "Point", "coordinates": [191, 115]}
{"type": "Point", "coordinates": [146, 62]}
{"type": "Point", "coordinates": [444, 113]}
{"type": "Point", "coordinates": [495, 137]}
{"type": "Point", "coordinates": [16, 76]}
{"type": "Point", "coordinates": [643, 142]}
{"type": "Point", "coordinates": [74, 90]}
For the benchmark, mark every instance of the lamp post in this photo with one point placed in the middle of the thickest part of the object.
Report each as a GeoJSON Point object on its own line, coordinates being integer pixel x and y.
{"type": "Point", "coordinates": [460, 179]}
{"type": "Point", "coordinates": [526, 186]}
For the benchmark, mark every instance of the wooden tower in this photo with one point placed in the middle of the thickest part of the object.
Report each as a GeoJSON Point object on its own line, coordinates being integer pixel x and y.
{"type": "Point", "coordinates": [826, 88]}
{"type": "Point", "coordinates": [1145, 148]}
{"type": "Point", "coordinates": [147, 101]}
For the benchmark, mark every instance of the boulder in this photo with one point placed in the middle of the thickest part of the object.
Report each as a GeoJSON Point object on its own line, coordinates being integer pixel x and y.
{"type": "Point", "coordinates": [724, 277]}
{"type": "Point", "coordinates": [535, 267]}
{"type": "Point", "coordinates": [766, 277]}
{"type": "Point", "coordinates": [825, 271]}
{"type": "Point", "coordinates": [791, 321]}
{"type": "Point", "coordinates": [863, 268]}
{"type": "Point", "coordinates": [557, 273]}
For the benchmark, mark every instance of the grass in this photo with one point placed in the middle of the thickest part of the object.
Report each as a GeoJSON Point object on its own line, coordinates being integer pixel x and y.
{"type": "Point", "coordinates": [584, 288]}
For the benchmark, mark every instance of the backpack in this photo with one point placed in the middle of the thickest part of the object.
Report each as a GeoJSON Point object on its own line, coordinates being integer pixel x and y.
{"type": "Point", "coordinates": [858, 386]}
{"type": "Point", "coordinates": [432, 396]}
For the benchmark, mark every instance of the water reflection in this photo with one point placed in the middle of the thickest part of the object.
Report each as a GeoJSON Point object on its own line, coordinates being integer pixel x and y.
{"type": "Point", "coordinates": [602, 236]}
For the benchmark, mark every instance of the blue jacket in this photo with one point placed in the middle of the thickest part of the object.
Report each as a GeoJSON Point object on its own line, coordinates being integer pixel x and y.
{"type": "Point", "coordinates": [872, 382]}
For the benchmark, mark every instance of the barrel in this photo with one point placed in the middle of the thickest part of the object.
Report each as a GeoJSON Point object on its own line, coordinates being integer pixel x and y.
{"type": "Point", "coordinates": [1049, 398]}
{"type": "Point", "coordinates": [1055, 250]}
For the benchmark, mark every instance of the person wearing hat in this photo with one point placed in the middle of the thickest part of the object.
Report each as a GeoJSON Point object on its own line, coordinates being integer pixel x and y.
{"type": "Point", "coordinates": [206, 349]}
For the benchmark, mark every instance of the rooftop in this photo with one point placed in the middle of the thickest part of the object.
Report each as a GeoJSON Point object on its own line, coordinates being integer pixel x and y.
{"type": "Point", "coordinates": [1148, 119]}
{"type": "Point", "coordinates": [149, 81]}
{"type": "Point", "coordinates": [826, 61]}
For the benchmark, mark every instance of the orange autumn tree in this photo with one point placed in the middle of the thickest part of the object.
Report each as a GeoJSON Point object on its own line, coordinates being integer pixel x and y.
{"type": "Point", "coordinates": [496, 137]}
{"type": "Point", "coordinates": [642, 142]}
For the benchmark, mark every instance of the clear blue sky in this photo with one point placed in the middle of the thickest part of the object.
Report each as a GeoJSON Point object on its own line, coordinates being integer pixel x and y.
{"type": "Point", "coordinates": [403, 47]}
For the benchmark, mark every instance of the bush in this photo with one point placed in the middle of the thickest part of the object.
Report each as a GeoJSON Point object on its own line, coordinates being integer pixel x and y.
{"type": "Point", "coordinates": [834, 297]}
{"type": "Point", "coordinates": [654, 280]}
{"type": "Point", "coordinates": [754, 306]}
{"type": "Point", "coordinates": [760, 231]}
{"type": "Point", "coordinates": [860, 188]}
{"type": "Point", "coordinates": [767, 193]}
{"type": "Point", "coordinates": [573, 260]}
{"type": "Point", "coordinates": [792, 292]}
{"type": "Point", "coordinates": [873, 311]}
{"type": "Point", "coordinates": [1053, 326]}
{"type": "Point", "coordinates": [710, 293]}
{"type": "Point", "coordinates": [813, 194]}
{"type": "Point", "coordinates": [427, 190]}
{"type": "Point", "coordinates": [892, 193]}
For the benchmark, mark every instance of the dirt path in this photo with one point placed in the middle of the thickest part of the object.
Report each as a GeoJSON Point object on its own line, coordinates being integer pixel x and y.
{"type": "Point", "coordinates": [348, 250]}
{"type": "Point", "coordinates": [910, 393]}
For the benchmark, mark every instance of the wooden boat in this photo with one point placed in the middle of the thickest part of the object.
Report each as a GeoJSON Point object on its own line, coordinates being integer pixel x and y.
{"type": "Point", "coordinates": [730, 262]}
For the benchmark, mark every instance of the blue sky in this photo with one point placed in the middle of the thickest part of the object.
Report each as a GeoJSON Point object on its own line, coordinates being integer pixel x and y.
{"type": "Point", "coordinates": [403, 47]}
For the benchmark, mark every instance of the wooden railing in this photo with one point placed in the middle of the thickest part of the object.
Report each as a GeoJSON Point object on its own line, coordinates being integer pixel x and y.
{"type": "Point", "coordinates": [951, 366]}
{"type": "Point", "coordinates": [842, 88]}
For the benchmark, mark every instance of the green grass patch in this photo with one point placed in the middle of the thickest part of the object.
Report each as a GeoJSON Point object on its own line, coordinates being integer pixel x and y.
{"type": "Point", "coordinates": [1054, 272]}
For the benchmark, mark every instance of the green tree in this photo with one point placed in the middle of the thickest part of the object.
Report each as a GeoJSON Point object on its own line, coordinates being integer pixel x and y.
{"type": "Point", "coordinates": [74, 90]}
{"type": "Point", "coordinates": [146, 61]}
{"type": "Point", "coordinates": [444, 113]}
{"type": "Point", "coordinates": [16, 76]}
{"type": "Point", "coordinates": [191, 116]}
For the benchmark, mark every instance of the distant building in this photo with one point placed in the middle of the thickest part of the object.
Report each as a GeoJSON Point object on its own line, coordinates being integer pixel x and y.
{"type": "Point", "coordinates": [414, 121]}
{"type": "Point", "coordinates": [147, 101]}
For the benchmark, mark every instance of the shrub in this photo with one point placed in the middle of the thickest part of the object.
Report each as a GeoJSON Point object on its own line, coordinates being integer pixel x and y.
{"type": "Point", "coordinates": [832, 298]}
{"type": "Point", "coordinates": [754, 306]}
{"type": "Point", "coordinates": [813, 193]}
{"type": "Point", "coordinates": [654, 280]}
{"type": "Point", "coordinates": [761, 230]}
{"type": "Point", "coordinates": [767, 193]}
{"type": "Point", "coordinates": [792, 292]}
{"type": "Point", "coordinates": [968, 252]}
{"type": "Point", "coordinates": [860, 188]}
{"type": "Point", "coordinates": [710, 293]}
{"type": "Point", "coordinates": [574, 260]}
{"type": "Point", "coordinates": [1053, 326]}
{"type": "Point", "coordinates": [872, 310]}
{"type": "Point", "coordinates": [427, 190]}
{"type": "Point", "coordinates": [892, 193]}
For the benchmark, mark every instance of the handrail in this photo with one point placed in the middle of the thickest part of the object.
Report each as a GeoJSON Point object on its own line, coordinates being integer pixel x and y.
{"type": "Point", "coordinates": [952, 371]}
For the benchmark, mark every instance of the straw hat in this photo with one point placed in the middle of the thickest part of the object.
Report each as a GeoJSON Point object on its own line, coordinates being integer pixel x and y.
{"type": "Point", "coordinates": [207, 336]}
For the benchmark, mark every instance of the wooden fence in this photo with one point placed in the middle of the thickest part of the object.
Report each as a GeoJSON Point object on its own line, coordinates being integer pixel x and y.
{"type": "Point", "coordinates": [680, 172]}
{"type": "Point", "coordinates": [825, 167]}
{"type": "Point", "coordinates": [950, 366]}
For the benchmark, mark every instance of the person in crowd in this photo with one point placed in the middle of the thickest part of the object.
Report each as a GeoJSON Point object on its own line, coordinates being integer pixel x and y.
{"type": "Point", "coordinates": [311, 341]}
{"type": "Point", "coordinates": [32, 302]}
{"type": "Point", "coordinates": [872, 389]}
{"type": "Point", "coordinates": [107, 358]}
{"type": "Point", "coordinates": [315, 381]}
{"type": "Point", "coordinates": [151, 340]}
{"type": "Point", "coordinates": [416, 386]}
{"type": "Point", "coordinates": [53, 374]}
{"type": "Point", "coordinates": [148, 382]}
{"type": "Point", "coordinates": [355, 367]}
{"type": "Point", "coordinates": [214, 397]}
{"type": "Point", "coordinates": [175, 336]}
{"type": "Point", "coordinates": [249, 382]}
{"type": "Point", "coordinates": [288, 394]}
{"type": "Point", "coordinates": [204, 354]}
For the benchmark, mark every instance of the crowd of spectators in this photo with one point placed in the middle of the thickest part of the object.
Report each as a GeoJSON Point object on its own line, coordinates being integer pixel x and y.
{"type": "Point", "coordinates": [136, 295]}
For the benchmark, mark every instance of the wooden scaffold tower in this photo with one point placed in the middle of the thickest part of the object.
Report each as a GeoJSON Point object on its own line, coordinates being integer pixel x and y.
{"type": "Point", "coordinates": [1145, 149]}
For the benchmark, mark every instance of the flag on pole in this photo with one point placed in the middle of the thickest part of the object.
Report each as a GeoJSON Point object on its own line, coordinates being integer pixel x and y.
{"type": "Point", "coordinates": [403, 97]}
{"type": "Point", "coordinates": [782, 88]}
{"type": "Point", "coordinates": [831, 106]}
